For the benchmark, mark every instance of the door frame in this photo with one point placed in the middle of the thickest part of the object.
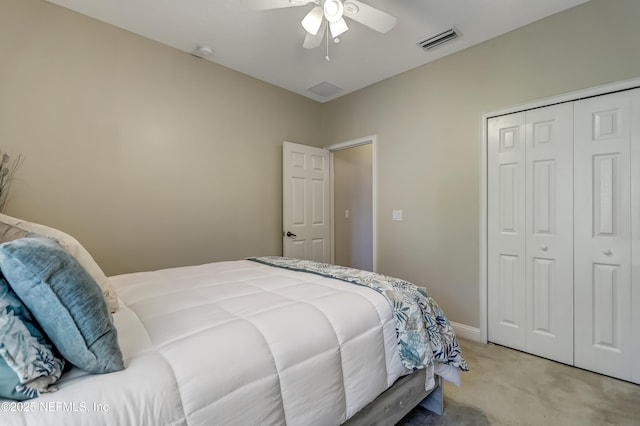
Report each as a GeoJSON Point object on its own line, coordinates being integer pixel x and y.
{"type": "Point", "coordinates": [567, 97]}
{"type": "Point", "coordinates": [366, 140]}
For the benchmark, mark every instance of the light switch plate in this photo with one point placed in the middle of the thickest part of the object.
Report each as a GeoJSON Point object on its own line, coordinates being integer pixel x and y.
{"type": "Point", "coordinates": [396, 214]}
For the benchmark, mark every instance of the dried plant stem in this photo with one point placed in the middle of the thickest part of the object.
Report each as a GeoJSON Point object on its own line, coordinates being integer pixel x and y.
{"type": "Point", "coordinates": [8, 169]}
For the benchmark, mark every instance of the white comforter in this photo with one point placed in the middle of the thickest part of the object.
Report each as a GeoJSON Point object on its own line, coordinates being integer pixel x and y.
{"type": "Point", "coordinates": [232, 343]}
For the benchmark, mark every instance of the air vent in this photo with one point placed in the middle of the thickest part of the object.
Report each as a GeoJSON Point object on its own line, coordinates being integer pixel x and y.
{"type": "Point", "coordinates": [438, 39]}
{"type": "Point", "coordinates": [325, 89]}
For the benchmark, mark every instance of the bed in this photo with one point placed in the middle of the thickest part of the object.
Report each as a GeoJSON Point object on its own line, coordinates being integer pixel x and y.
{"type": "Point", "coordinates": [253, 341]}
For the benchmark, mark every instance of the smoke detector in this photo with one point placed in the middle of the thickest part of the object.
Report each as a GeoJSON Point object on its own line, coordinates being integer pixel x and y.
{"type": "Point", "coordinates": [203, 51]}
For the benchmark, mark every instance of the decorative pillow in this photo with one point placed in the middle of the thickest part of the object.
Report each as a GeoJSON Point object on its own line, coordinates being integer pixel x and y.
{"type": "Point", "coordinates": [76, 249]}
{"type": "Point", "coordinates": [65, 300]}
{"type": "Point", "coordinates": [28, 366]}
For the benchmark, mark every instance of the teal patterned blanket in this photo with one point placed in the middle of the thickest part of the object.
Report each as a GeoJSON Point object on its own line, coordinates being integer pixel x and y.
{"type": "Point", "coordinates": [424, 333]}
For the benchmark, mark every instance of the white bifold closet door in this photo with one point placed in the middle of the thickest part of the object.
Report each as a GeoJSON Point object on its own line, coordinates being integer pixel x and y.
{"type": "Point", "coordinates": [564, 232]}
{"type": "Point", "coordinates": [603, 224]}
{"type": "Point", "coordinates": [530, 252]}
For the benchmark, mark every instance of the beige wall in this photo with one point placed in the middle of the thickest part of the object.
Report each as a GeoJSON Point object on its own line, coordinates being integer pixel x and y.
{"type": "Point", "coordinates": [149, 156]}
{"type": "Point", "coordinates": [429, 135]}
{"type": "Point", "coordinates": [353, 191]}
{"type": "Point", "coordinates": [153, 158]}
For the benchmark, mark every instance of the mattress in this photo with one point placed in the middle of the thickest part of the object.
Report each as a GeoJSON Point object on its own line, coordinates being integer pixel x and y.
{"type": "Point", "coordinates": [232, 343]}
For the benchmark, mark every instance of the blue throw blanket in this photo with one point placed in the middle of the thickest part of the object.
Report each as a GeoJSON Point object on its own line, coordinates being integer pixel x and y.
{"type": "Point", "coordinates": [423, 331]}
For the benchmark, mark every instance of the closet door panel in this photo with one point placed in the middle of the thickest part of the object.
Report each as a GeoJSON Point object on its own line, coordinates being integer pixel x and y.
{"type": "Point", "coordinates": [602, 200]}
{"type": "Point", "coordinates": [549, 232]}
{"type": "Point", "coordinates": [635, 235]}
{"type": "Point", "coordinates": [506, 227]}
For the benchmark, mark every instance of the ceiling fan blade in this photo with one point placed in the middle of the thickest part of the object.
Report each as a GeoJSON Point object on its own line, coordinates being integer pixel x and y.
{"type": "Point", "coordinates": [313, 41]}
{"type": "Point", "coordinates": [369, 16]}
{"type": "Point", "coordinates": [274, 4]}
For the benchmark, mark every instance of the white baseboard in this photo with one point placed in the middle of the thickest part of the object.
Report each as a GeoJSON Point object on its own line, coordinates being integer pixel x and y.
{"type": "Point", "coordinates": [466, 332]}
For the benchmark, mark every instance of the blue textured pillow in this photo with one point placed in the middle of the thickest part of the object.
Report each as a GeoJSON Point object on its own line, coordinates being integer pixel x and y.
{"type": "Point", "coordinates": [28, 365]}
{"type": "Point", "coordinates": [65, 300]}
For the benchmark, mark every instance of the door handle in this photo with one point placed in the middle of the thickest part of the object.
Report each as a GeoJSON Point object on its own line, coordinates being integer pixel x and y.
{"type": "Point", "coordinates": [291, 234]}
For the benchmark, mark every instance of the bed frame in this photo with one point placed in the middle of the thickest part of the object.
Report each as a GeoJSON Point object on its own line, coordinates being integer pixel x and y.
{"type": "Point", "coordinates": [402, 397]}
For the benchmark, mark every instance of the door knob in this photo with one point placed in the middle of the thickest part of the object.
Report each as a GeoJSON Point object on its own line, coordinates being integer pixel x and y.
{"type": "Point", "coordinates": [291, 234]}
{"type": "Point", "coordinates": [607, 252]}
{"type": "Point", "coordinates": [544, 248]}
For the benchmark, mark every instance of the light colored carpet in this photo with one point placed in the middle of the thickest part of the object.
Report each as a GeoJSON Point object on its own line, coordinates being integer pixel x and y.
{"type": "Point", "coordinates": [507, 387]}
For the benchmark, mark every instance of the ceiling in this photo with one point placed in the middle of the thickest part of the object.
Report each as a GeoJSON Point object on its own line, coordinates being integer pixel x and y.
{"type": "Point", "coordinates": [267, 44]}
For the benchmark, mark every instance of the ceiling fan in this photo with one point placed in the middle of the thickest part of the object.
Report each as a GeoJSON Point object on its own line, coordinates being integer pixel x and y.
{"type": "Point", "coordinates": [331, 13]}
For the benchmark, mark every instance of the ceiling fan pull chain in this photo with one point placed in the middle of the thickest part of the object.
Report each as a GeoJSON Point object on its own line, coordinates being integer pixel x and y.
{"type": "Point", "coordinates": [327, 37]}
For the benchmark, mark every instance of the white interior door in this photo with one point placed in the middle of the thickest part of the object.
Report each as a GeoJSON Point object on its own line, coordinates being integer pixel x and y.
{"type": "Point", "coordinates": [530, 223]}
{"type": "Point", "coordinates": [635, 236]}
{"type": "Point", "coordinates": [549, 232]}
{"type": "Point", "coordinates": [603, 296]}
{"type": "Point", "coordinates": [305, 203]}
{"type": "Point", "coordinates": [540, 193]}
{"type": "Point", "coordinates": [506, 230]}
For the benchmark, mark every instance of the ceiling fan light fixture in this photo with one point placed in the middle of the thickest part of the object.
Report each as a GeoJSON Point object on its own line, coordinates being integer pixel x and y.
{"type": "Point", "coordinates": [333, 10]}
{"type": "Point", "coordinates": [338, 27]}
{"type": "Point", "coordinates": [312, 21]}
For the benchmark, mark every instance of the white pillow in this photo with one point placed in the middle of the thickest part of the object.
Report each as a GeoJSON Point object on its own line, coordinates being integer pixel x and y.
{"type": "Point", "coordinates": [73, 247]}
